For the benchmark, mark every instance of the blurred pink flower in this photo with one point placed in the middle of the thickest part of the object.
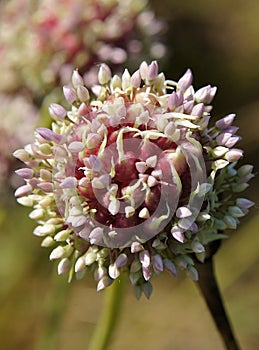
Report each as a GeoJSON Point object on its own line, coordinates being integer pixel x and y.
{"type": "Point", "coordinates": [18, 121]}
{"type": "Point", "coordinates": [41, 42]}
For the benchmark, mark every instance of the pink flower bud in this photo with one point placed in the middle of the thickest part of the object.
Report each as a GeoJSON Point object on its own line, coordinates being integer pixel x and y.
{"type": "Point", "coordinates": [157, 263]}
{"type": "Point", "coordinates": [57, 110]}
{"type": "Point", "coordinates": [25, 173]}
{"type": "Point", "coordinates": [46, 186]}
{"type": "Point", "coordinates": [244, 203]}
{"type": "Point", "coordinates": [185, 81]}
{"type": "Point", "coordinates": [234, 155]}
{"type": "Point", "coordinates": [152, 71]}
{"type": "Point", "coordinates": [69, 94]}
{"type": "Point", "coordinates": [135, 79]}
{"type": "Point", "coordinates": [144, 258]}
{"type": "Point", "coordinates": [77, 80]}
{"type": "Point", "coordinates": [23, 191]}
{"type": "Point", "coordinates": [82, 93]}
{"type": "Point", "coordinates": [49, 135]}
{"type": "Point", "coordinates": [225, 122]}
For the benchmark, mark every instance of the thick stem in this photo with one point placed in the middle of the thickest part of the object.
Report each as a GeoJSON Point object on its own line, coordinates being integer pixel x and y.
{"type": "Point", "coordinates": [109, 317]}
{"type": "Point", "coordinates": [209, 288]}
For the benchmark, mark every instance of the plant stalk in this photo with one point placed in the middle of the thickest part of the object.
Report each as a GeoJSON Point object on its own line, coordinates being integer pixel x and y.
{"type": "Point", "coordinates": [109, 317]}
{"type": "Point", "coordinates": [209, 288]}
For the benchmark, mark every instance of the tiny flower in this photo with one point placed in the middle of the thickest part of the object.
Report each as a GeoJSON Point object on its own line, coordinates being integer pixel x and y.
{"type": "Point", "coordinates": [131, 179]}
{"type": "Point", "coordinates": [104, 74]}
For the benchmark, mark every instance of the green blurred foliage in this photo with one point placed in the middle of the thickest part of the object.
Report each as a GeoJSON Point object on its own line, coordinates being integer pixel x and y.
{"type": "Point", "coordinates": [218, 40]}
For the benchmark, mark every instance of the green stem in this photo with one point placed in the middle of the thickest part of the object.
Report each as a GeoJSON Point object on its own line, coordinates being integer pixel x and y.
{"type": "Point", "coordinates": [109, 317]}
{"type": "Point", "coordinates": [55, 306]}
{"type": "Point", "coordinates": [209, 288]}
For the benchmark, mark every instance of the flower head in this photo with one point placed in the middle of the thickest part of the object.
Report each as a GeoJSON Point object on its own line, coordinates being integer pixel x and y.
{"type": "Point", "coordinates": [132, 178]}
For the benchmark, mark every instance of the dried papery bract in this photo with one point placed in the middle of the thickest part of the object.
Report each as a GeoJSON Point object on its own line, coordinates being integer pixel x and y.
{"type": "Point", "coordinates": [133, 177]}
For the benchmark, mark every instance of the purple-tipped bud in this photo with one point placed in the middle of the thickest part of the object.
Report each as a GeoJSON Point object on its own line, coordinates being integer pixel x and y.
{"type": "Point", "coordinates": [233, 155]}
{"type": "Point", "coordinates": [49, 135]}
{"type": "Point", "coordinates": [104, 74]}
{"type": "Point", "coordinates": [175, 100]}
{"type": "Point", "coordinates": [185, 81]}
{"type": "Point", "coordinates": [82, 93]}
{"type": "Point", "coordinates": [205, 94]}
{"type": "Point", "coordinates": [46, 186]}
{"type": "Point", "coordinates": [147, 272]}
{"type": "Point", "coordinates": [235, 211]}
{"type": "Point", "coordinates": [230, 222]}
{"type": "Point", "coordinates": [197, 247]}
{"type": "Point", "coordinates": [25, 173]}
{"type": "Point", "coordinates": [157, 263]}
{"type": "Point", "coordinates": [57, 110]}
{"type": "Point", "coordinates": [225, 122]}
{"type": "Point", "coordinates": [152, 71]}
{"type": "Point", "coordinates": [170, 267]}
{"type": "Point", "coordinates": [23, 191]}
{"type": "Point", "coordinates": [121, 260]}
{"type": "Point", "coordinates": [96, 235]}
{"type": "Point", "coordinates": [136, 247]}
{"type": "Point", "coordinates": [76, 147]}
{"type": "Point", "coordinates": [188, 106]}
{"type": "Point", "coordinates": [223, 138]}
{"type": "Point", "coordinates": [232, 141]}
{"type": "Point", "coordinates": [77, 80]}
{"type": "Point", "coordinates": [83, 109]}
{"type": "Point", "coordinates": [144, 258]}
{"type": "Point", "coordinates": [69, 94]}
{"type": "Point", "coordinates": [198, 110]}
{"type": "Point", "coordinates": [69, 182]}
{"type": "Point", "coordinates": [244, 203]}
{"type": "Point", "coordinates": [177, 233]}
{"type": "Point", "coordinates": [135, 79]}
{"type": "Point", "coordinates": [183, 212]}
{"type": "Point", "coordinates": [45, 175]}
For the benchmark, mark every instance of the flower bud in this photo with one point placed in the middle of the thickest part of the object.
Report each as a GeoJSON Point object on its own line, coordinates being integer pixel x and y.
{"type": "Point", "coordinates": [26, 173]}
{"type": "Point", "coordinates": [64, 266]}
{"type": "Point", "coordinates": [23, 191]}
{"type": "Point", "coordinates": [152, 71]}
{"type": "Point", "coordinates": [225, 122]}
{"type": "Point", "coordinates": [233, 155]}
{"type": "Point", "coordinates": [185, 81]}
{"type": "Point", "coordinates": [57, 111]}
{"type": "Point", "coordinates": [104, 74]}
{"type": "Point", "coordinates": [77, 80]}
{"type": "Point", "coordinates": [69, 94]}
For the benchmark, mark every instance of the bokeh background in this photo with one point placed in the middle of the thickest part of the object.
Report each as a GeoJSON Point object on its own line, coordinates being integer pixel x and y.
{"type": "Point", "coordinates": [219, 41]}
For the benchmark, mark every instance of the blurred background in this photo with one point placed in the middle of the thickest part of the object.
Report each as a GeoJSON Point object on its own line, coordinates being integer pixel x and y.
{"type": "Point", "coordinates": [219, 41]}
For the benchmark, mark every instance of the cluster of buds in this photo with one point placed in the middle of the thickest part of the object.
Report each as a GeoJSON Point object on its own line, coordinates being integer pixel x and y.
{"type": "Point", "coordinates": [132, 179]}
{"type": "Point", "coordinates": [18, 122]}
{"type": "Point", "coordinates": [41, 43]}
